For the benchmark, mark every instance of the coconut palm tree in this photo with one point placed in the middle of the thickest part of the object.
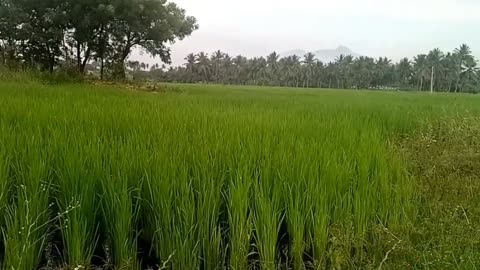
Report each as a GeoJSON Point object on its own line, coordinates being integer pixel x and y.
{"type": "Point", "coordinates": [404, 72]}
{"type": "Point", "coordinates": [295, 70]}
{"type": "Point", "coordinates": [309, 62]}
{"type": "Point", "coordinates": [434, 59]}
{"type": "Point", "coordinates": [256, 69]}
{"type": "Point", "coordinates": [319, 73]}
{"type": "Point", "coordinates": [463, 55]}
{"type": "Point", "coordinates": [386, 72]}
{"type": "Point", "coordinates": [451, 74]}
{"type": "Point", "coordinates": [203, 66]}
{"type": "Point", "coordinates": [191, 60]}
{"type": "Point", "coordinates": [287, 71]}
{"type": "Point", "coordinates": [272, 66]}
{"type": "Point", "coordinates": [456, 71]}
{"type": "Point", "coordinates": [344, 70]}
{"type": "Point", "coordinates": [227, 68]}
{"type": "Point", "coordinates": [239, 70]}
{"type": "Point", "coordinates": [216, 62]}
{"type": "Point", "coordinates": [363, 69]}
{"type": "Point", "coordinates": [420, 69]}
{"type": "Point", "coordinates": [469, 75]}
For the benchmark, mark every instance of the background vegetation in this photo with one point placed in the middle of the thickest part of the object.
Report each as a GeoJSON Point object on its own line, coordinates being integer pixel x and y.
{"type": "Point", "coordinates": [455, 71]}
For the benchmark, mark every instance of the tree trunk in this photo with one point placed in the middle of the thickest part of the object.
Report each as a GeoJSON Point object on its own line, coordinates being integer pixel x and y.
{"type": "Point", "coordinates": [432, 79]}
{"type": "Point", "coordinates": [51, 65]}
{"type": "Point", "coordinates": [79, 57]}
{"type": "Point", "coordinates": [101, 68]}
{"type": "Point", "coordinates": [85, 60]}
{"type": "Point", "coordinates": [458, 85]}
{"type": "Point", "coordinates": [119, 71]}
{"type": "Point", "coordinates": [51, 60]}
{"type": "Point", "coordinates": [2, 55]}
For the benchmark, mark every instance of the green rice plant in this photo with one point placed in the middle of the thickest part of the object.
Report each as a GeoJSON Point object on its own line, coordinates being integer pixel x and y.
{"type": "Point", "coordinates": [171, 217]}
{"type": "Point", "coordinates": [76, 184]}
{"type": "Point", "coordinates": [119, 217]}
{"type": "Point", "coordinates": [267, 220]}
{"type": "Point", "coordinates": [158, 207]}
{"type": "Point", "coordinates": [27, 218]}
{"type": "Point", "coordinates": [296, 214]}
{"type": "Point", "coordinates": [239, 218]}
{"type": "Point", "coordinates": [117, 165]}
{"type": "Point", "coordinates": [208, 175]}
{"type": "Point", "coordinates": [320, 196]}
{"type": "Point", "coordinates": [296, 220]}
{"type": "Point", "coordinates": [268, 213]}
{"type": "Point", "coordinates": [185, 226]}
{"type": "Point", "coordinates": [4, 168]}
{"type": "Point", "coordinates": [4, 185]}
{"type": "Point", "coordinates": [318, 218]}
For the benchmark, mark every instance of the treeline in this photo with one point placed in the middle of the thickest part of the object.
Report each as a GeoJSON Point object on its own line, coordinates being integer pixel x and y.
{"type": "Point", "coordinates": [48, 35]}
{"type": "Point", "coordinates": [455, 71]}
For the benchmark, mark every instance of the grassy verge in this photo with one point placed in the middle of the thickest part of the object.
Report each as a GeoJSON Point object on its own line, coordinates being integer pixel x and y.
{"type": "Point", "coordinates": [445, 159]}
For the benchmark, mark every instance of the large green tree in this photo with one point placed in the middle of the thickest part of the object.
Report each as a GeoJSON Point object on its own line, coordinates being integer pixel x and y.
{"type": "Point", "coordinates": [43, 34]}
{"type": "Point", "coordinates": [150, 25]}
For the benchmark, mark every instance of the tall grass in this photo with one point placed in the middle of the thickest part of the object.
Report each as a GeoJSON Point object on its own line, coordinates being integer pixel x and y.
{"type": "Point", "coordinates": [207, 177]}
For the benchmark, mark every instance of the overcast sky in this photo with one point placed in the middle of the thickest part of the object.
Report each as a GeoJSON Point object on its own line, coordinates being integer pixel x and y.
{"type": "Point", "coordinates": [394, 28]}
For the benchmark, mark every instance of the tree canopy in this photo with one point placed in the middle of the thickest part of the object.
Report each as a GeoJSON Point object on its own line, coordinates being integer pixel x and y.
{"type": "Point", "coordinates": [48, 33]}
{"type": "Point", "coordinates": [456, 71]}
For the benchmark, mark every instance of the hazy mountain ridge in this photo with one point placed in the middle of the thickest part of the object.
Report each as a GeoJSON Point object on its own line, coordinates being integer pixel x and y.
{"type": "Point", "coordinates": [325, 55]}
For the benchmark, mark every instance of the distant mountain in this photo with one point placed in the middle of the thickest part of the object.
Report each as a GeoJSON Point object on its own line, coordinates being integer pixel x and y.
{"type": "Point", "coordinates": [328, 55]}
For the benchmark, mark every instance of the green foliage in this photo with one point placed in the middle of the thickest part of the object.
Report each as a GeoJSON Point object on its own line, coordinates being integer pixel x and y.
{"type": "Point", "coordinates": [452, 72]}
{"type": "Point", "coordinates": [45, 35]}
